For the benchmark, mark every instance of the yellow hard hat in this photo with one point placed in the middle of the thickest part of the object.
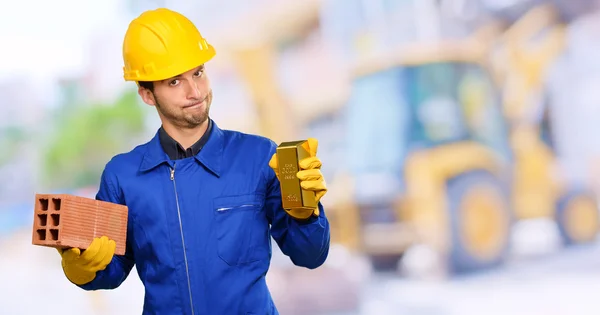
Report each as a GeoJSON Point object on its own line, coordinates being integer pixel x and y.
{"type": "Point", "coordinates": [160, 44]}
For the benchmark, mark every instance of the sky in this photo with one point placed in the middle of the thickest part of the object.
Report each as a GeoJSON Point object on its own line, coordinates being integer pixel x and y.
{"type": "Point", "coordinates": [51, 38]}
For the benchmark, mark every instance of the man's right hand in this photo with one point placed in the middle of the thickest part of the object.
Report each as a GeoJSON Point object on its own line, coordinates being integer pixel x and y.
{"type": "Point", "coordinates": [81, 267]}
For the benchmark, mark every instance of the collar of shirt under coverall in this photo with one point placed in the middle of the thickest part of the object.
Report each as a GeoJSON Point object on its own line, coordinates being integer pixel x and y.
{"type": "Point", "coordinates": [175, 150]}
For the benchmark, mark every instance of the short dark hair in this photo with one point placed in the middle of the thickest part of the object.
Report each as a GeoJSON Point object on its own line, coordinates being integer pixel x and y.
{"type": "Point", "coordinates": [148, 85]}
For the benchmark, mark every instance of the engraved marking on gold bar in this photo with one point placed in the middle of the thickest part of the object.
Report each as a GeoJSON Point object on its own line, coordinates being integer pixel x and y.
{"type": "Point", "coordinates": [289, 154]}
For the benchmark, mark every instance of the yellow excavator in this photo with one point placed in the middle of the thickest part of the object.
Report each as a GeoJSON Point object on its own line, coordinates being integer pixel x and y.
{"type": "Point", "coordinates": [468, 228]}
{"type": "Point", "coordinates": [427, 121]}
{"type": "Point", "coordinates": [440, 150]}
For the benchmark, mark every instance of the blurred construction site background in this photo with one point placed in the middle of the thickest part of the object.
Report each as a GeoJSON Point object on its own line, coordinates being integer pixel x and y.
{"type": "Point", "coordinates": [459, 140]}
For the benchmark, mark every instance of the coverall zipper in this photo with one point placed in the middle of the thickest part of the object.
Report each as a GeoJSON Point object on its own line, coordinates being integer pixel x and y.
{"type": "Point", "coordinates": [187, 271]}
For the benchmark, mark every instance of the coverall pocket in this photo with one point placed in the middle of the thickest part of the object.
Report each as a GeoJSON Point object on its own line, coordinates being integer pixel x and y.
{"type": "Point", "coordinates": [242, 229]}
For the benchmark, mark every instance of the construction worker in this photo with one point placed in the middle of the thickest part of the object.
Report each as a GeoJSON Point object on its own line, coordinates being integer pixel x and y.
{"type": "Point", "coordinates": [203, 202]}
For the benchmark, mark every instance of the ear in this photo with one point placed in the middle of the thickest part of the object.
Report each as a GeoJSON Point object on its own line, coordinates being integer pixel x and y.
{"type": "Point", "coordinates": [146, 96]}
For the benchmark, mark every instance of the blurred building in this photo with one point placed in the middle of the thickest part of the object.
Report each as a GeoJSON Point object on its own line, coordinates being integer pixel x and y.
{"type": "Point", "coordinates": [22, 119]}
{"type": "Point", "coordinates": [574, 96]}
{"type": "Point", "coordinates": [103, 78]}
{"type": "Point", "coordinates": [22, 101]}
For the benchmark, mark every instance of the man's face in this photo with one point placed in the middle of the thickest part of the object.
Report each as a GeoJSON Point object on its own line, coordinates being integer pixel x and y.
{"type": "Point", "coordinates": [182, 101]}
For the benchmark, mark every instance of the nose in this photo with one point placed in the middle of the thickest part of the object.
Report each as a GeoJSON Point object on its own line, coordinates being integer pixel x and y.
{"type": "Point", "coordinates": [193, 93]}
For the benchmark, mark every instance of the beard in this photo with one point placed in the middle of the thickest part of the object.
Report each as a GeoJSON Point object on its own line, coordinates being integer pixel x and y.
{"type": "Point", "coordinates": [183, 119]}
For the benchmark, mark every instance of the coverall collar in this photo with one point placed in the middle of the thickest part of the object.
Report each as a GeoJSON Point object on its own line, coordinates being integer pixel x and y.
{"type": "Point", "coordinates": [210, 156]}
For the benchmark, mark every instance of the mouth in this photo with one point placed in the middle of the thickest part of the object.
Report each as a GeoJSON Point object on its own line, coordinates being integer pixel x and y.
{"type": "Point", "coordinates": [196, 104]}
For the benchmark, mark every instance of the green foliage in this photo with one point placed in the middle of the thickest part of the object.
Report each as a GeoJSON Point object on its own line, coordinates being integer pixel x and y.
{"type": "Point", "coordinates": [87, 137]}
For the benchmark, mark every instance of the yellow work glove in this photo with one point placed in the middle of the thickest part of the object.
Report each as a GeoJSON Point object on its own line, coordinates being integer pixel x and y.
{"type": "Point", "coordinates": [310, 177]}
{"type": "Point", "coordinates": [81, 267]}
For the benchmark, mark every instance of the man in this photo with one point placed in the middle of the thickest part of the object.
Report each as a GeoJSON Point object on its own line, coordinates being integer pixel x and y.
{"type": "Point", "coordinates": [203, 202]}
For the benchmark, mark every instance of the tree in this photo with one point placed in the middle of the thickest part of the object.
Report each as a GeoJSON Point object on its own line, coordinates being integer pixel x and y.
{"type": "Point", "coordinates": [87, 137]}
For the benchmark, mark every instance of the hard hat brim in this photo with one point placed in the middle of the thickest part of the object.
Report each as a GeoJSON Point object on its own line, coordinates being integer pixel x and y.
{"type": "Point", "coordinates": [175, 69]}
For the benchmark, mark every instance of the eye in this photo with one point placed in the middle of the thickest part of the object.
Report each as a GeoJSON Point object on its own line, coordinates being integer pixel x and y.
{"type": "Point", "coordinates": [174, 82]}
{"type": "Point", "coordinates": [198, 73]}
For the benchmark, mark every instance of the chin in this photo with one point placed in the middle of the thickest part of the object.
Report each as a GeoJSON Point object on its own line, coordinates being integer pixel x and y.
{"type": "Point", "coordinates": [197, 122]}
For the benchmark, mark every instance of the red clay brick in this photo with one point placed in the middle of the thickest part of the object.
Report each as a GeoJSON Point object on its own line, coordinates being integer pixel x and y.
{"type": "Point", "coordinates": [64, 221]}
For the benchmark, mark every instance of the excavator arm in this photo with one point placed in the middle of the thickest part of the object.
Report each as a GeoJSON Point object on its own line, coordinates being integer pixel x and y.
{"type": "Point", "coordinates": [253, 47]}
{"type": "Point", "coordinates": [257, 67]}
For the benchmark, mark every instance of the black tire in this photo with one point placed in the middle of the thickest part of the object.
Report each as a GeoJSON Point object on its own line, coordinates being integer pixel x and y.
{"type": "Point", "coordinates": [496, 219]}
{"type": "Point", "coordinates": [385, 263]}
{"type": "Point", "coordinates": [577, 224]}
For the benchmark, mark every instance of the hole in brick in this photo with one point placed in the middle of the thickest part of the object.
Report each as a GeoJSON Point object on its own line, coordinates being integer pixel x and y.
{"type": "Point", "coordinates": [41, 234]}
{"type": "Point", "coordinates": [54, 234]}
{"type": "Point", "coordinates": [56, 203]}
{"type": "Point", "coordinates": [43, 204]}
{"type": "Point", "coordinates": [55, 219]}
{"type": "Point", "coordinates": [42, 219]}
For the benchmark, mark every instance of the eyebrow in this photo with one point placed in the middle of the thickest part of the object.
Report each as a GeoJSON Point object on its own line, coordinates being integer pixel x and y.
{"type": "Point", "coordinates": [200, 68]}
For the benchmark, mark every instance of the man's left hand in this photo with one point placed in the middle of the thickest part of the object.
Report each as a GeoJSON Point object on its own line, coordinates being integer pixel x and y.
{"type": "Point", "coordinates": [311, 178]}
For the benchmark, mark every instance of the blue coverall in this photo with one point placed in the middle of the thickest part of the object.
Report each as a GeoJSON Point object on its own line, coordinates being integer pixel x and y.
{"type": "Point", "coordinates": [199, 229]}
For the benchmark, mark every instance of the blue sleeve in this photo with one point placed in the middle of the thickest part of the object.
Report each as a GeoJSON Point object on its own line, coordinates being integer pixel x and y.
{"type": "Point", "coordinates": [306, 242]}
{"type": "Point", "coordinates": [118, 269]}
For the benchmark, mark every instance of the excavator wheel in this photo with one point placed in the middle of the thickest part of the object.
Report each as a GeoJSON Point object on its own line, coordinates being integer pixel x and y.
{"type": "Point", "coordinates": [480, 219]}
{"type": "Point", "coordinates": [577, 218]}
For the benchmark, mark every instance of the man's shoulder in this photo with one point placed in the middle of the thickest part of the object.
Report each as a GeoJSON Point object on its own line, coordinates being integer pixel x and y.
{"type": "Point", "coordinates": [125, 160]}
{"type": "Point", "coordinates": [247, 145]}
{"type": "Point", "coordinates": [243, 138]}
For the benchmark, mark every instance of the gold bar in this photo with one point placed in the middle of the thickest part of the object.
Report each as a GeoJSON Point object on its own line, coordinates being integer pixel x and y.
{"type": "Point", "coordinates": [289, 154]}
